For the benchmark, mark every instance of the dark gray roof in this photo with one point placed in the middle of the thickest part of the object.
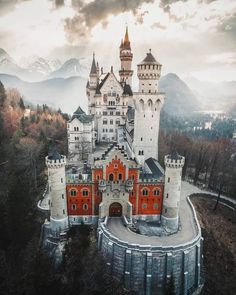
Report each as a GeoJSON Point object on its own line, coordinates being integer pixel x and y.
{"type": "Point", "coordinates": [93, 67]}
{"type": "Point", "coordinates": [149, 59]}
{"type": "Point", "coordinates": [130, 113]}
{"type": "Point", "coordinates": [156, 170]}
{"type": "Point", "coordinates": [174, 156]}
{"type": "Point", "coordinates": [79, 111]}
{"type": "Point", "coordinates": [99, 86]}
{"type": "Point", "coordinates": [81, 116]}
{"type": "Point", "coordinates": [54, 155]}
{"type": "Point", "coordinates": [127, 90]}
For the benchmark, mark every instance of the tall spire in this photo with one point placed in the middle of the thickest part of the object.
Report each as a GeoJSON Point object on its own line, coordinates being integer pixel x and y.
{"type": "Point", "coordinates": [126, 44]}
{"type": "Point", "coordinates": [126, 35]}
{"type": "Point", "coordinates": [93, 67]}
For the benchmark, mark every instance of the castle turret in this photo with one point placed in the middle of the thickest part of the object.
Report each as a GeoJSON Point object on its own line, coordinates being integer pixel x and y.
{"type": "Point", "coordinates": [149, 72]}
{"type": "Point", "coordinates": [148, 104]}
{"type": "Point", "coordinates": [57, 191]}
{"type": "Point", "coordinates": [173, 173]}
{"type": "Point", "coordinates": [126, 57]}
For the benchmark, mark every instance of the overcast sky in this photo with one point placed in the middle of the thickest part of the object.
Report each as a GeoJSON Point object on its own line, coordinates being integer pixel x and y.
{"type": "Point", "coordinates": [193, 38]}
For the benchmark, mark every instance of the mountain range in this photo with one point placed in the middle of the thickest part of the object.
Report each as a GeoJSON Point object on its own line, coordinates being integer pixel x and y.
{"type": "Point", "coordinates": [63, 85]}
{"type": "Point", "coordinates": [35, 69]}
{"type": "Point", "coordinates": [68, 93]}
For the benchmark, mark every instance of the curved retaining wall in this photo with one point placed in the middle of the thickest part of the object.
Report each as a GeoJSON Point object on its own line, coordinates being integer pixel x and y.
{"type": "Point", "coordinates": [147, 268]}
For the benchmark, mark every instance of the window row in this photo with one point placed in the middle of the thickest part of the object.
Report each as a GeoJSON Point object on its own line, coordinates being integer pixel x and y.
{"type": "Point", "coordinates": [84, 192]}
{"type": "Point", "coordinates": [149, 67]}
{"type": "Point", "coordinates": [156, 192]}
{"type": "Point", "coordinates": [106, 130]}
{"type": "Point", "coordinates": [74, 207]}
{"type": "Point", "coordinates": [155, 206]}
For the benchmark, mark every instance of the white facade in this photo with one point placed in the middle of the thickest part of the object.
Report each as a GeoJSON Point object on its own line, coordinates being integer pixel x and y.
{"type": "Point", "coordinates": [81, 136]}
{"type": "Point", "coordinates": [171, 199]}
{"type": "Point", "coordinates": [148, 103]}
{"type": "Point", "coordinates": [57, 192]}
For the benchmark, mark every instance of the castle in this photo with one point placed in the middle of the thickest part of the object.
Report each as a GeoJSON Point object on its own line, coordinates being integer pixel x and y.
{"type": "Point", "coordinates": [112, 178]}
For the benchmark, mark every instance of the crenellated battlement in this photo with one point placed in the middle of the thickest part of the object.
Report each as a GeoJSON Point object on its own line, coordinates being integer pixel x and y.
{"type": "Point", "coordinates": [55, 163]}
{"type": "Point", "coordinates": [174, 162]}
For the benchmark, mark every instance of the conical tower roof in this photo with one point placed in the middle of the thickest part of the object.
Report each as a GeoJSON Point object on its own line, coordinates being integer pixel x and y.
{"type": "Point", "coordinates": [126, 43]}
{"type": "Point", "coordinates": [149, 59]}
{"type": "Point", "coordinates": [93, 67]}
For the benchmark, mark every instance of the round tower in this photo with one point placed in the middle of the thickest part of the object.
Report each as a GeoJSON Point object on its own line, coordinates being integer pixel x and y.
{"type": "Point", "coordinates": [57, 191]}
{"type": "Point", "coordinates": [126, 57]}
{"type": "Point", "coordinates": [148, 103]}
{"type": "Point", "coordinates": [149, 72]}
{"type": "Point", "coordinates": [171, 200]}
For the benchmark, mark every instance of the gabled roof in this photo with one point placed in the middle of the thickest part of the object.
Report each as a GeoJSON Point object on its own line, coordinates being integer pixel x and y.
{"type": "Point", "coordinates": [81, 116]}
{"type": "Point", "coordinates": [156, 170]}
{"type": "Point", "coordinates": [79, 111]}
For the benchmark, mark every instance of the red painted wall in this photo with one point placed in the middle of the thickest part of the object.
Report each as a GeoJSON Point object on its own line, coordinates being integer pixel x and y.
{"type": "Point", "coordinates": [150, 199]}
{"type": "Point", "coordinates": [79, 200]}
{"type": "Point", "coordinates": [116, 167]}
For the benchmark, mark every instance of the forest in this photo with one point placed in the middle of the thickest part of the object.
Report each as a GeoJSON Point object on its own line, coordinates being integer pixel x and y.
{"type": "Point", "coordinates": [26, 135]}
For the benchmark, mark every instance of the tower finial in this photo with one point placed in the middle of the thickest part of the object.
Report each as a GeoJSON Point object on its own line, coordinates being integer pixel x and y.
{"type": "Point", "coordinates": [126, 35]}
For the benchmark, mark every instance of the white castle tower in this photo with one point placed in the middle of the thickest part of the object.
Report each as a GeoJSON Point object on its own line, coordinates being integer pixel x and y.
{"type": "Point", "coordinates": [148, 103]}
{"type": "Point", "coordinates": [126, 57]}
{"type": "Point", "coordinates": [171, 200]}
{"type": "Point", "coordinates": [57, 191]}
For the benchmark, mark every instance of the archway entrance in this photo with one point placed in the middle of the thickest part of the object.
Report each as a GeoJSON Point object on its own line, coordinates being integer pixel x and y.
{"type": "Point", "coordinates": [115, 210]}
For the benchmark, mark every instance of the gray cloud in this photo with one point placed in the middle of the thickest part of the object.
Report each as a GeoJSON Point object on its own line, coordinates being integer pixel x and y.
{"type": "Point", "coordinates": [7, 5]}
{"type": "Point", "coordinates": [92, 13]}
{"type": "Point", "coordinates": [158, 25]}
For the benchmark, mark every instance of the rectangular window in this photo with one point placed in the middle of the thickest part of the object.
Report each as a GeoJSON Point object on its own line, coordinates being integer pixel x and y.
{"type": "Point", "coordinates": [168, 179]}
{"type": "Point", "coordinates": [61, 180]}
{"type": "Point", "coordinates": [62, 196]}
{"type": "Point", "coordinates": [111, 122]}
{"type": "Point", "coordinates": [63, 211]}
{"type": "Point", "coordinates": [104, 122]}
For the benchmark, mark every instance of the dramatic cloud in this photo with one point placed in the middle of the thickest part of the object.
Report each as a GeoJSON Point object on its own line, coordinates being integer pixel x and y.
{"type": "Point", "coordinates": [92, 13]}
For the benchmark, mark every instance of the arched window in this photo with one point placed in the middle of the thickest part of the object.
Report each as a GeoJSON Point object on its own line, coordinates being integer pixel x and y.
{"type": "Point", "coordinates": [111, 177]}
{"type": "Point", "coordinates": [144, 206]}
{"type": "Point", "coordinates": [73, 192]}
{"type": "Point", "coordinates": [145, 192]}
{"type": "Point", "coordinates": [120, 176]}
{"type": "Point", "coordinates": [85, 192]}
{"type": "Point", "coordinates": [73, 207]}
{"type": "Point", "coordinates": [85, 206]}
{"type": "Point", "coordinates": [156, 192]}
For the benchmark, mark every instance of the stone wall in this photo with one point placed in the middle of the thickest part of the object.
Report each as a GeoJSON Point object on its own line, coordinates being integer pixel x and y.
{"type": "Point", "coordinates": [147, 268]}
